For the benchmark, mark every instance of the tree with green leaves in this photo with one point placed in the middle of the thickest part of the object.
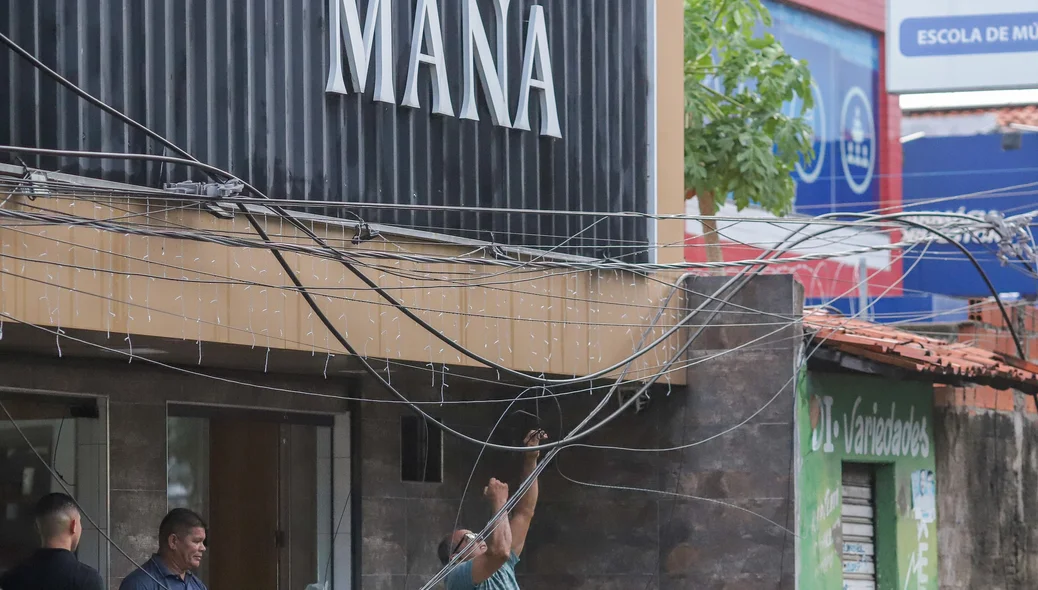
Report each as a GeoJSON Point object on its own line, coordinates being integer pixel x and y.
{"type": "Point", "coordinates": [739, 138]}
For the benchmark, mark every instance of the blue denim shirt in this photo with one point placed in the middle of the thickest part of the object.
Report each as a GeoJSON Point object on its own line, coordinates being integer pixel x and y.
{"type": "Point", "coordinates": [144, 578]}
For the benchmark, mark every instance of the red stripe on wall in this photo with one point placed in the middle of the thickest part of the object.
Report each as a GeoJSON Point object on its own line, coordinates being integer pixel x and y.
{"type": "Point", "coordinates": [869, 14]}
{"type": "Point", "coordinates": [891, 162]}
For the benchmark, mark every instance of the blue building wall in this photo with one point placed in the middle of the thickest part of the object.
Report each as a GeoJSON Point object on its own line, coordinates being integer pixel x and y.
{"type": "Point", "coordinates": [971, 174]}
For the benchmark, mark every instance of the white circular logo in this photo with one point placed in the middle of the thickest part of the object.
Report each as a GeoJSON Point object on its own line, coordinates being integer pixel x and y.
{"type": "Point", "coordinates": [858, 140]}
{"type": "Point", "coordinates": [816, 118]}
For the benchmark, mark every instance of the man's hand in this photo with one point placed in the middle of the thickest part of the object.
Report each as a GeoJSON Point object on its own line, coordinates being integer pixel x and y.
{"type": "Point", "coordinates": [533, 439]}
{"type": "Point", "coordinates": [523, 513]}
{"type": "Point", "coordinates": [499, 543]}
{"type": "Point", "coordinates": [496, 492]}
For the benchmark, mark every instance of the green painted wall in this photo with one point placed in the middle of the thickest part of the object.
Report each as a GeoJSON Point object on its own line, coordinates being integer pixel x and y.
{"type": "Point", "coordinates": [866, 419]}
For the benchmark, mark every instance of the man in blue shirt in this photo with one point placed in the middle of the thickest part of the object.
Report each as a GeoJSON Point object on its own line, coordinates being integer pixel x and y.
{"type": "Point", "coordinates": [491, 565]}
{"type": "Point", "coordinates": [181, 545]}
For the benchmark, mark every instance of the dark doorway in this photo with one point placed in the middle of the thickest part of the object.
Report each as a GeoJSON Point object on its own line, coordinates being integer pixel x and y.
{"type": "Point", "coordinates": [264, 484]}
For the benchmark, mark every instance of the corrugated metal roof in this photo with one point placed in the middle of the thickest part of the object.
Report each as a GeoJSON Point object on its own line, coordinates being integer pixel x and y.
{"type": "Point", "coordinates": [888, 345]}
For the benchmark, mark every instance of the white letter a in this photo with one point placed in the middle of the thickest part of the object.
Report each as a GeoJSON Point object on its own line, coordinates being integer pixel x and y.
{"type": "Point", "coordinates": [538, 60]}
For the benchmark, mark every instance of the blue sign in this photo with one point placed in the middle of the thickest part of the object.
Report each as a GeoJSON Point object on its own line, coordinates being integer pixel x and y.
{"type": "Point", "coordinates": [844, 64]}
{"type": "Point", "coordinates": [970, 35]}
{"type": "Point", "coordinates": [974, 175]}
{"type": "Point", "coordinates": [912, 308]}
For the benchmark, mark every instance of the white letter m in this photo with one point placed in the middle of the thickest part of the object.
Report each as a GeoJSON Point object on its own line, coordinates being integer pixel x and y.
{"type": "Point", "coordinates": [378, 26]}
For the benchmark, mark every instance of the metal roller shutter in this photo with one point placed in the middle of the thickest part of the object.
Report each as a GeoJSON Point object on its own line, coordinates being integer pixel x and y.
{"type": "Point", "coordinates": [858, 524]}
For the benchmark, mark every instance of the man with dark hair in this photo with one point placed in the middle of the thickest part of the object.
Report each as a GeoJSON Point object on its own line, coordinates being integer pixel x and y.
{"type": "Point", "coordinates": [54, 566]}
{"type": "Point", "coordinates": [491, 565]}
{"type": "Point", "coordinates": [181, 545]}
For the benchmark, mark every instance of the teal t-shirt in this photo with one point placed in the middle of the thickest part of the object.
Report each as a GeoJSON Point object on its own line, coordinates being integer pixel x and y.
{"type": "Point", "coordinates": [503, 579]}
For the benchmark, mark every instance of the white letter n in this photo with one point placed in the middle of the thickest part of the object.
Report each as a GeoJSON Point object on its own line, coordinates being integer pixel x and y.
{"type": "Point", "coordinates": [427, 27]}
{"type": "Point", "coordinates": [358, 47]}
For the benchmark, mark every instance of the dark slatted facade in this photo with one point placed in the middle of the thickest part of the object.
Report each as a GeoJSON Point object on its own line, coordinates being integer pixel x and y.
{"type": "Point", "coordinates": [241, 85]}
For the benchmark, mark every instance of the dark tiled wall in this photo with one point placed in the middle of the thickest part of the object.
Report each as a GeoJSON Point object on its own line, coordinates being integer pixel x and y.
{"type": "Point", "coordinates": [137, 397]}
{"type": "Point", "coordinates": [584, 537]}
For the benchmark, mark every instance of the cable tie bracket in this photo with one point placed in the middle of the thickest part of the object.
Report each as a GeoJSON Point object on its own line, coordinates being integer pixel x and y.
{"type": "Point", "coordinates": [212, 190]}
{"type": "Point", "coordinates": [625, 392]}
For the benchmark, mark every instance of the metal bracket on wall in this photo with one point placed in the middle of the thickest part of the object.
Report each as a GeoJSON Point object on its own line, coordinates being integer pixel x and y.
{"type": "Point", "coordinates": [34, 177]}
{"type": "Point", "coordinates": [35, 185]}
{"type": "Point", "coordinates": [213, 190]}
{"type": "Point", "coordinates": [624, 393]}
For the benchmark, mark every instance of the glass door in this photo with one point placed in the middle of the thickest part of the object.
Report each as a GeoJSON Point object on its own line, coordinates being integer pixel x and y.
{"type": "Point", "coordinates": [70, 436]}
{"type": "Point", "coordinates": [265, 485]}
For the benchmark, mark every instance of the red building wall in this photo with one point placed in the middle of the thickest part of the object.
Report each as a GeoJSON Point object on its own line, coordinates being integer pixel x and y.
{"type": "Point", "coordinates": [872, 15]}
{"type": "Point", "coordinates": [867, 14]}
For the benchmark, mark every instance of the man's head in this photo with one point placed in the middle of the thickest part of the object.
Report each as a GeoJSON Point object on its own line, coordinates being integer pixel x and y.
{"type": "Point", "coordinates": [182, 540]}
{"type": "Point", "coordinates": [457, 541]}
{"type": "Point", "coordinates": [59, 522]}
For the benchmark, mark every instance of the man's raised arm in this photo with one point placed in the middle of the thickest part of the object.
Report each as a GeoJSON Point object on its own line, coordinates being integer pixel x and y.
{"type": "Point", "coordinates": [522, 515]}
{"type": "Point", "coordinates": [499, 543]}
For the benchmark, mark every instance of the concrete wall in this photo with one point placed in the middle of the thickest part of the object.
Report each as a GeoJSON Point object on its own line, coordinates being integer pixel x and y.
{"type": "Point", "coordinates": [987, 465]}
{"type": "Point", "coordinates": [705, 544]}
{"type": "Point", "coordinates": [987, 473]}
{"type": "Point", "coordinates": [537, 321]}
{"type": "Point", "coordinates": [670, 138]}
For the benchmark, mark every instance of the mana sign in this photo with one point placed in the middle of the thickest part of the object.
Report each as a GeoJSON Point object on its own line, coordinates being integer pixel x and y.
{"type": "Point", "coordinates": [372, 41]}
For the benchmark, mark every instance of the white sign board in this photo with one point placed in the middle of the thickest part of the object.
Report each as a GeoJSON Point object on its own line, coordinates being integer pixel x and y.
{"type": "Point", "coordinates": [952, 45]}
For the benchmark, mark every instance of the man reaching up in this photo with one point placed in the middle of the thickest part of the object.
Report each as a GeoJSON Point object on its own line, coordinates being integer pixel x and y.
{"type": "Point", "coordinates": [491, 565]}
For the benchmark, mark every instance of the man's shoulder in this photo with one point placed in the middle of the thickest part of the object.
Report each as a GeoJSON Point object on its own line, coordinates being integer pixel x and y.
{"type": "Point", "coordinates": [138, 579]}
{"type": "Point", "coordinates": [197, 581]}
{"type": "Point", "coordinates": [12, 577]}
{"type": "Point", "coordinates": [88, 578]}
{"type": "Point", "coordinates": [460, 578]}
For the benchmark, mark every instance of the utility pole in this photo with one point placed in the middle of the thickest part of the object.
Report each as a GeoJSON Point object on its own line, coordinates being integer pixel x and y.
{"type": "Point", "coordinates": [863, 289]}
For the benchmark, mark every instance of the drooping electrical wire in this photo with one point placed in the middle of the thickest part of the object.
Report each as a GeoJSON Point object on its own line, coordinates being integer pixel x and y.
{"type": "Point", "coordinates": [299, 285]}
{"type": "Point", "coordinates": [824, 231]}
{"type": "Point", "coordinates": [740, 424]}
{"type": "Point", "coordinates": [160, 194]}
{"type": "Point", "coordinates": [325, 251]}
{"type": "Point", "coordinates": [866, 217]}
{"type": "Point", "coordinates": [795, 373]}
{"type": "Point", "coordinates": [447, 568]}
